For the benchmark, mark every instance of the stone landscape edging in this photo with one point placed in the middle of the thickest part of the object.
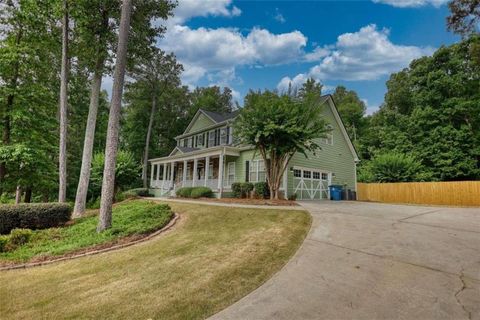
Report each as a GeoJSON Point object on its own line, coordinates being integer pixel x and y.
{"type": "Point", "coordinates": [170, 224]}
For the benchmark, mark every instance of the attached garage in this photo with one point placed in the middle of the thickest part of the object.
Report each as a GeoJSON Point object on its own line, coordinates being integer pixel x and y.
{"type": "Point", "coordinates": [311, 183]}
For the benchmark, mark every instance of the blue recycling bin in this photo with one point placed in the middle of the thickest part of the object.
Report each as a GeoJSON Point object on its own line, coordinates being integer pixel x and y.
{"type": "Point", "coordinates": [335, 192]}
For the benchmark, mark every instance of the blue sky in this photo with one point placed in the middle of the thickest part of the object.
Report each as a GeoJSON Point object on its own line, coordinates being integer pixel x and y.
{"type": "Point", "coordinates": [268, 44]}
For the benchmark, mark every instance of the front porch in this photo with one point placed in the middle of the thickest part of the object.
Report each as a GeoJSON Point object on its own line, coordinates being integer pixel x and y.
{"type": "Point", "coordinates": [194, 169]}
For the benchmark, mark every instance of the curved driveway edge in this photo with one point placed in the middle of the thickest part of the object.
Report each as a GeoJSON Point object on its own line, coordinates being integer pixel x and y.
{"type": "Point", "coordinates": [376, 261]}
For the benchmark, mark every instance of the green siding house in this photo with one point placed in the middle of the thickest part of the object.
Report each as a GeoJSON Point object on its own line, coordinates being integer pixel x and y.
{"type": "Point", "coordinates": [207, 155]}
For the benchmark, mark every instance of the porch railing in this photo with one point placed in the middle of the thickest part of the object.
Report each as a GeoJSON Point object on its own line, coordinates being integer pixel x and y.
{"type": "Point", "coordinates": [167, 184]}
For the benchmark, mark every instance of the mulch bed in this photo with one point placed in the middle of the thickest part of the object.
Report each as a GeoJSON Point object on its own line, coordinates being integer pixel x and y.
{"type": "Point", "coordinates": [266, 202]}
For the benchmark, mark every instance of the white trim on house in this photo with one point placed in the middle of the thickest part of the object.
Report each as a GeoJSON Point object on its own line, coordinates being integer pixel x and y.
{"type": "Point", "coordinates": [201, 153]}
{"type": "Point", "coordinates": [195, 117]}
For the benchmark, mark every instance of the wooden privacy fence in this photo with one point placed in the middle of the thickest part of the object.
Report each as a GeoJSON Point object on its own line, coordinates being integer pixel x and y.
{"type": "Point", "coordinates": [455, 193]}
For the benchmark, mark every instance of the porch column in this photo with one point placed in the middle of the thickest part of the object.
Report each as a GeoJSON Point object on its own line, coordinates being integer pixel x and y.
{"type": "Point", "coordinates": [220, 173]}
{"type": "Point", "coordinates": [207, 165]}
{"type": "Point", "coordinates": [184, 173]}
{"type": "Point", "coordinates": [164, 174]}
{"type": "Point", "coordinates": [158, 172]}
{"type": "Point", "coordinates": [195, 168]}
{"type": "Point", "coordinates": [151, 175]}
{"type": "Point", "coordinates": [172, 170]}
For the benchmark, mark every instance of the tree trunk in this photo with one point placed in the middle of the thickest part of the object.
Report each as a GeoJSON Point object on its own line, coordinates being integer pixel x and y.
{"type": "Point", "coordinates": [28, 195]}
{"type": "Point", "coordinates": [62, 159]}
{"type": "Point", "coordinates": [84, 179]}
{"type": "Point", "coordinates": [7, 119]}
{"type": "Point", "coordinates": [108, 185]}
{"type": "Point", "coordinates": [18, 195]}
{"type": "Point", "coordinates": [147, 140]}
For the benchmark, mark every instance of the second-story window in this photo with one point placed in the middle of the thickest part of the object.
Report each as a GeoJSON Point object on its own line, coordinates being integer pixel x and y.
{"type": "Point", "coordinates": [211, 138]}
{"type": "Point", "coordinates": [185, 142]}
{"type": "Point", "coordinates": [200, 140]}
{"type": "Point", "coordinates": [223, 136]}
{"type": "Point", "coordinates": [217, 137]}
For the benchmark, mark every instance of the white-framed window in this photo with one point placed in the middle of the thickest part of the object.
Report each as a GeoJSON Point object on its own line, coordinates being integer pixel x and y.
{"type": "Point", "coordinates": [230, 173]}
{"type": "Point", "coordinates": [329, 135]}
{"type": "Point", "coordinates": [211, 138]}
{"type": "Point", "coordinates": [297, 173]}
{"type": "Point", "coordinates": [257, 171]}
{"type": "Point", "coordinates": [185, 142]}
{"type": "Point", "coordinates": [230, 135]}
{"type": "Point", "coordinates": [316, 175]}
{"type": "Point", "coordinates": [190, 142]}
{"type": "Point", "coordinates": [200, 140]}
{"type": "Point", "coordinates": [307, 174]}
{"type": "Point", "coordinates": [223, 136]}
{"type": "Point", "coordinates": [324, 176]}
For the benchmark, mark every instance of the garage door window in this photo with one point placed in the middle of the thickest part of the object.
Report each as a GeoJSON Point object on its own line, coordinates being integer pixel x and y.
{"type": "Point", "coordinates": [316, 175]}
{"type": "Point", "coordinates": [307, 174]}
{"type": "Point", "coordinates": [297, 173]}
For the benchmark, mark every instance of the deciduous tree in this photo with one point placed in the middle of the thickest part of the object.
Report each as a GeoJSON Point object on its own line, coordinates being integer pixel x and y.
{"type": "Point", "coordinates": [278, 126]}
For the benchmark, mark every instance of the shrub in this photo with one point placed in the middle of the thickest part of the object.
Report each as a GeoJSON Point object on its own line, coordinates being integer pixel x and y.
{"type": "Point", "coordinates": [246, 187]}
{"type": "Point", "coordinates": [94, 204]}
{"type": "Point", "coordinates": [138, 192]}
{"type": "Point", "coordinates": [199, 192]}
{"type": "Point", "coordinates": [292, 197]}
{"type": "Point", "coordinates": [262, 190]}
{"type": "Point", "coordinates": [241, 190]}
{"type": "Point", "coordinates": [237, 189]}
{"type": "Point", "coordinates": [392, 167]}
{"type": "Point", "coordinates": [127, 172]}
{"type": "Point", "coordinates": [33, 216]}
{"type": "Point", "coordinates": [19, 237]}
{"type": "Point", "coordinates": [184, 192]}
{"type": "Point", "coordinates": [3, 243]}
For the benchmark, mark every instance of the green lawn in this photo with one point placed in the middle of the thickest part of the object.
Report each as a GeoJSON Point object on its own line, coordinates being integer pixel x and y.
{"type": "Point", "coordinates": [213, 257]}
{"type": "Point", "coordinates": [129, 218]}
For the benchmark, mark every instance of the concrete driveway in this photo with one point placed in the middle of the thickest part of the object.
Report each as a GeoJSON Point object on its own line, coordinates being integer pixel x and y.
{"type": "Point", "coordinates": [376, 261]}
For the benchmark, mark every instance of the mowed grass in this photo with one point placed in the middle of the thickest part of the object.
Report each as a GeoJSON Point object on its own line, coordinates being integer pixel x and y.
{"type": "Point", "coordinates": [213, 257]}
{"type": "Point", "coordinates": [129, 218]}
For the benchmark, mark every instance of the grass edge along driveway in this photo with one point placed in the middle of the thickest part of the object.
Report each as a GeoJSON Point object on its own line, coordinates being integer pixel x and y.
{"type": "Point", "coordinates": [212, 258]}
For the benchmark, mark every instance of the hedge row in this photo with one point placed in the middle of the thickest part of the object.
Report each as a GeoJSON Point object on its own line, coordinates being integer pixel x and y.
{"type": "Point", "coordinates": [33, 216]}
{"type": "Point", "coordinates": [194, 192]}
{"type": "Point", "coordinates": [138, 192]}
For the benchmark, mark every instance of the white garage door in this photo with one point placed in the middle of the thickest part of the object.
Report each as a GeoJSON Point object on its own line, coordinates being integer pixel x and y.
{"type": "Point", "coordinates": [311, 184]}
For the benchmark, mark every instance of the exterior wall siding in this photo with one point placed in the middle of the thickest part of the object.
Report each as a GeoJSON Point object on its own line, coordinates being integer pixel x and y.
{"type": "Point", "coordinates": [202, 122]}
{"type": "Point", "coordinates": [336, 158]}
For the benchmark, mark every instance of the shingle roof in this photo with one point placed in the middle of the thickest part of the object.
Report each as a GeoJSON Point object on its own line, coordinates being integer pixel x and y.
{"type": "Point", "coordinates": [221, 117]}
{"type": "Point", "coordinates": [187, 149]}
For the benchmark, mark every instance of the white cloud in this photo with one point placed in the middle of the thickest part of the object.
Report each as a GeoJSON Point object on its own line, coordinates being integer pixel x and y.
{"type": "Point", "coordinates": [279, 17]}
{"type": "Point", "coordinates": [412, 3]}
{"type": "Point", "coordinates": [212, 50]}
{"type": "Point", "coordinates": [367, 54]}
{"type": "Point", "coordinates": [296, 82]}
{"type": "Point", "coordinates": [317, 54]}
{"type": "Point", "coordinates": [369, 108]}
{"type": "Point", "coordinates": [187, 9]}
